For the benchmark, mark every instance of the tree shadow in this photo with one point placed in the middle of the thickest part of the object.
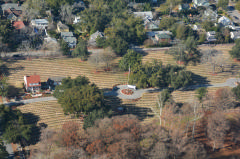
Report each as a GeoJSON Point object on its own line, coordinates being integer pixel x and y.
{"type": "Point", "coordinates": [114, 103]}
{"type": "Point", "coordinates": [14, 91]}
{"type": "Point", "coordinates": [32, 119]}
{"type": "Point", "coordinates": [197, 79]}
{"type": "Point", "coordinates": [8, 71]}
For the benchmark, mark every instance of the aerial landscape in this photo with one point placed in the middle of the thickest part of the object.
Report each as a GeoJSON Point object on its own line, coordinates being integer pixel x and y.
{"type": "Point", "coordinates": [120, 79]}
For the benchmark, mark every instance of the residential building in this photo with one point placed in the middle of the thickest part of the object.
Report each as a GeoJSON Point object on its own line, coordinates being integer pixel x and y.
{"type": "Point", "coordinates": [235, 35]}
{"type": "Point", "coordinates": [225, 21]}
{"type": "Point", "coordinates": [151, 26]}
{"type": "Point", "coordinates": [93, 37]}
{"type": "Point", "coordinates": [160, 38]}
{"type": "Point", "coordinates": [151, 34]}
{"type": "Point", "coordinates": [62, 27]}
{"type": "Point", "coordinates": [69, 39]}
{"type": "Point", "coordinates": [18, 25]}
{"type": "Point", "coordinates": [54, 81]}
{"type": "Point", "coordinates": [39, 23]}
{"type": "Point", "coordinates": [66, 34]}
{"type": "Point", "coordinates": [184, 6]}
{"type": "Point", "coordinates": [12, 7]}
{"type": "Point", "coordinates": [77, 19]}
{"type": "Point", "coordinates": [143, 14]}
{"type": "Point", "coordinates": [210, 15]}
{"type": "Point", "coordinates": [32, 83]}
{"type": "Point", "coordinates": [197, 3]}
{"type": "Point", "coordinates": [211, 36]}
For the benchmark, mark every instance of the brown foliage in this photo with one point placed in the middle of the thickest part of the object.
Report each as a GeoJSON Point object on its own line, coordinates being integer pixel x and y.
{"type": "Point", "coordinates": [217, 128]}
{"type": "Point", "coordinates": [224, 99]}
{"type": "Point", "coordinates": [71, 135]}
{"type": "Point", "coordinates": [116, 137]}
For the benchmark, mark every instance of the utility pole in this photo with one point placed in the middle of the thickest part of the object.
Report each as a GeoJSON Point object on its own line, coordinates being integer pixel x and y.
{"type": "Point", "coordinates": [128, 74]}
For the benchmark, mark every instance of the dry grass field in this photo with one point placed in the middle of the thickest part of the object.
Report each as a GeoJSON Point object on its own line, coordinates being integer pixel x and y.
{"type": "Point", "coordinates": [51, 112]}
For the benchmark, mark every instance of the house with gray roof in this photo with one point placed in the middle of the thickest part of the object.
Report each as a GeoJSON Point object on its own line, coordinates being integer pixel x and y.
{"type": "Point", "coordinates": [93, 37]}
{"type": "Point", "coordinates": [143, 14]}
{"type": "Point", "coordinates": [198, 3]}
{"type": "Point", "coordinates": [66, 34]}
{"type": "Point", "coordinates": [69, 39]}
{"type": "Point", "coordinates": [12, 6]}
{"type": "Point", "coordinates": [39, 23]}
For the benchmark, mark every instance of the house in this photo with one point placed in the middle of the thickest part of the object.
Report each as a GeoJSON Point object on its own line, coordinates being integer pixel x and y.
{"type": "Point", "coordinates": [142, 15]}
{"type": "Point", "coordinates": [211, 36]}
{"type": "Point", "coordinates": [39, 23]}
{"type": "Point", "coordinates": [77, 19]}
{"type": "Point", "coordinates": [163, 38]}
{"type": "Point", "coordinates": [32, 83]}
{"type": "Point", "coordinates": [62, 27]}
{"type": "Point", "coordinates": [69, 39]}
{"type": "Point", "coordinates": [224, 21]}
{"type": "Point", "coordinates": [197, 3]}
{"type": "Point", "coordinates": [184, 6]}
{"type": "Point", "coordinates": [151, 34]}
{"type": "Point", "coordinates": [18, 25]}
{"type": "Point", "coordinates": [235, 35]}
{"type": "Point", "coordinates": [151, 26]}
{"type": "Point", "coordinates": [10, 7]}
{"type": "Point", "coordinates": [197, 27]}
{"type": "Point", "coordinates": [93, 37]}
{"type": "Point", "coordinates": [66, 34]}
{"type": "Point", "coordinates": [210, 14]}
{"type": "Point", "coordinates": [54, 81]}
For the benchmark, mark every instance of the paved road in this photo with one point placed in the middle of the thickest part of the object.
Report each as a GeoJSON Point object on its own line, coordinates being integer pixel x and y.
{"type": "Point", "coordinates": [138, 93]}
{"type": "Point", "coordinates": [31, 100]}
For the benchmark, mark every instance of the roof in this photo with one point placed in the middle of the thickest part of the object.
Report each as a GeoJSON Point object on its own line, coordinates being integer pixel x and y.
{"type": "Point", "coordinates": [143, 14]}
{"type": "Point", "coordinates": [56, 78]}
{"type": "Point", "coordinates": [96, 34]}
{"type": "Point", "coordinates": [33, 79]}
{"type": "Point", "coordinates": [201, 2]}
{"type": "Point", "coordinates": [37, 21]}
{"type": "Point", "coordinates": [70, 39]}
{"type": "Point", "coordinates": [18, 25]}
{"type": "Point", "coordinates": [62, 26]}
{"type": "Point", "coordinates": [66, 34]}
{"type": "Point", "coordinates": [163, 36]}
{"type": "Point", "coordinates": [11, 6]}
{"type": "Point", "coordinates": [211, 32]}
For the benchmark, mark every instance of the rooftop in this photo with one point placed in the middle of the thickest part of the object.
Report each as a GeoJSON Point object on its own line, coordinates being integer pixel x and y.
{"type": "Point", "coordinates": [18, 25]}
{"type": "Point", "coordinates": [33, 79]}
{"type": "Point", "coordinates": [11, 6]}
{"type": "Point", "coordinates": [66, 34]}
{"type": "Point", "coordinates": [62, 26]}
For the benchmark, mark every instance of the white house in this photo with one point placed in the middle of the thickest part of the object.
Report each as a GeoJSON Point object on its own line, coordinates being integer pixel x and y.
{"type": "Point", "coordinates": [39, 23]}
{"type": "Point", "coordinates": [32, 83]}
{"type": "Point", "coordinates": [211, 36]}
{"type": "Point", "coordinates": [76, 19]}
{"type": "Point", "coordinates": [235, 35]}
{"type": "Point", "coordinates": [224, 21]}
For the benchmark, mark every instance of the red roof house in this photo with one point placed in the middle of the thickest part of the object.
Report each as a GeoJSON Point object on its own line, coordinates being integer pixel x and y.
{"type": "Point", "coordinates": [18, 25]}
{"type": "Point", "coordinates": [32, 83]}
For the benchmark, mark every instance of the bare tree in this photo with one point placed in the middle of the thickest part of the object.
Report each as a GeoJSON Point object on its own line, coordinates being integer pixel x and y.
{"type": "Point", "coordinates": [214, 58]}
{"type": "Point", "coordinates": [224, 99]}
{"type": "Point", "coordinates": [104, 57]}
{"type": "Point", "coordinates": [194, 150]}
{"type": "Point", "coordinates": [66, 13]}
{"type": "Point", "coordinates": [217, 128]}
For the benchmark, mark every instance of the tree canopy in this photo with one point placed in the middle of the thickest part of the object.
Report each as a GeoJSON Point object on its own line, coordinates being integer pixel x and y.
{"type": "Point", "coordinates": [235, 52]}
{"type": "Point", "coordinates": [130, 59]}
{"type": "Point", "coordinates": [14, 125]}
{"type": "Point", "coordinates": [78, 96]}
{"type": "Point", "coordinates": [154, 74]}
{"type": "Point", "coordinates": [81, 49]}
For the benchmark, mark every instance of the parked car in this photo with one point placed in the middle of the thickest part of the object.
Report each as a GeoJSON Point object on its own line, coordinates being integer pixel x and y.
{"type": "Point", "coordinates": [18, 57]}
